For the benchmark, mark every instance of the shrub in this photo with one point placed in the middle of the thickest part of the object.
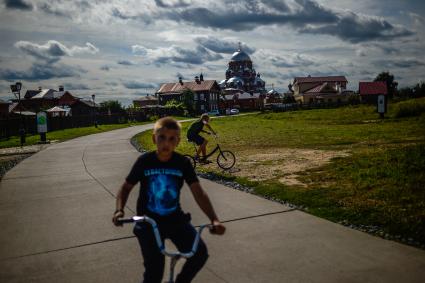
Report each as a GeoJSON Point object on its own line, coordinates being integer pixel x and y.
{"type": "Point", "coordinates": [410, 108]}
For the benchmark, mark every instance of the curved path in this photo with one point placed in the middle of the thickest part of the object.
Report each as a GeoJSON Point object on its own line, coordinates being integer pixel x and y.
{"type": "Point", "coordinates": [56, 206]}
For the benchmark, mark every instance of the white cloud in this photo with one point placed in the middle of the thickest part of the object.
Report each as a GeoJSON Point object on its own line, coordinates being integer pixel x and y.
{"type": "Point", "coordinates": [53, 50]}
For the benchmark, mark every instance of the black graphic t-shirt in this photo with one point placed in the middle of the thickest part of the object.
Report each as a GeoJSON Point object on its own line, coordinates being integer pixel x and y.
{"type": "Point", "coordinates": [160, 183]}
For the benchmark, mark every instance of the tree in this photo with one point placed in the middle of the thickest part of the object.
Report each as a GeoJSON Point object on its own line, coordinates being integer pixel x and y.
{"type": "Point", "coordinates": [389, 80]}
{"type": "Point", "coordinates": [419, 89]}
{"type": "Point", "coordinates": [175, 107]}
{"type": "Point", "coordinates": [188, 99]}
{"type": "Point", "coordinates": [114, 106]}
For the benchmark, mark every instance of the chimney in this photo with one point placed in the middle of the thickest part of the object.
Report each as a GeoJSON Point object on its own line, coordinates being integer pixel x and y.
{"type": "Point", "coordinates": [181, 80]}
{"type": "Point", "coordinates": [201, 77]}
{"type": "Point", "coordinates": [61, 88]}
{"type": "Point", "coordinates": [197, 79]}
{"type": "Point", "coordinates": [40, 88]}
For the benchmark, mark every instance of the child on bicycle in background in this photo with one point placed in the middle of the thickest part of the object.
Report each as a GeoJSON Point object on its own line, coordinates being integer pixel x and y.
{"type": "Point", "coordinates": [161, 174]}
{"type": "Point", "coordinates": [193, 135]}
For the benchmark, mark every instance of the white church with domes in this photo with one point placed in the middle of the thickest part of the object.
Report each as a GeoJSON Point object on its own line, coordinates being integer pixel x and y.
{"type": "Point", "coordinates": [240, 75]}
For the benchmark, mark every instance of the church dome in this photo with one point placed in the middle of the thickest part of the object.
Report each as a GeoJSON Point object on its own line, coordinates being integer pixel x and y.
{"type": "Point", "coordinates": [235, 80]}
{"type": "Point", "coordinates": [272, 91]}
{"type": "Point", "coordinates": [240, 56]}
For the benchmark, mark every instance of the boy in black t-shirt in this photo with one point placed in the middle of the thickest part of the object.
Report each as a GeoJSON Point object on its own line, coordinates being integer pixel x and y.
{"type": "Point", "coordinates": [161, 174]}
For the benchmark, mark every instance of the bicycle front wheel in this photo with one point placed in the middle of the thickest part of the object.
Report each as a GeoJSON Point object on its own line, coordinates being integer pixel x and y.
{"type": "Point", "coordinates": [191, 159]}
{"type": "Point", "coordinates": [226, 159]}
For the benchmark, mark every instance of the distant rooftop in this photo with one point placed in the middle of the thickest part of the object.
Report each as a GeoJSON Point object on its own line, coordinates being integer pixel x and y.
{"type": "Point", "coordinates": [371, 88]}
{"type": "Point", "coordinates": [320, 79]}
{"type": "Point", "coordinates": [180, 87]}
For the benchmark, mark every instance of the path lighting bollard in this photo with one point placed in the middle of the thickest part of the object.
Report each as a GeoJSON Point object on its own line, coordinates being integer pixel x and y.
{"type": "Point", "coordinates": [16, 89]}
{"type": "Point", "coordinates": [93, 96]}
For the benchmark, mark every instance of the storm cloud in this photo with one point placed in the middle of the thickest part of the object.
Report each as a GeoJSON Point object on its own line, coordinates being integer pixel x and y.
{"type": "Point", "coordinates": [171, 4]}
{"type": "Point", "coordinates": [306, 17]}
{"type": "Point", "coordinates": [222, 45]}
{"type": "Point", "coordinates": [175, 54]}
{"type": "Point", "coordinates": [125, 63]}
{"type": "Point", "coordinates": [18, 4]}
{"type": "Point", "coordinates": [358, 28]}
{"type": "Point", "coordinates": [41, 72]}
{"type": "Point", "coordinates": [138, 85]}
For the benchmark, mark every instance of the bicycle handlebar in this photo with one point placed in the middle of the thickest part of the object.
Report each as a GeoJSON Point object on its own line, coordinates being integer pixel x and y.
{"type": "Point", "coordinates": [137, 219]}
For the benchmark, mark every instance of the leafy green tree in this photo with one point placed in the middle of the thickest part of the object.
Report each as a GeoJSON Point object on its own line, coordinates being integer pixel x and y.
{"type": "Point", "coordinates": [114, 106]}
{"type": "Point", "coordinates": [389, 80]}
{"type": "Point", "coordinates": [175, 107]}
{"type": "Point", "coordinates": [188, 99]}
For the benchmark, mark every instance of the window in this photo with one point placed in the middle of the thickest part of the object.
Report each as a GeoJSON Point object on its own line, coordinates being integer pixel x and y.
{"type": "Point", "coordinates": [201, 96]}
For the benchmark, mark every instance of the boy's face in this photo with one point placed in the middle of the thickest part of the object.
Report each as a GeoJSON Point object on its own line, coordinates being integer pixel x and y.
{"type": "Point", "coordinates": [166, 140]}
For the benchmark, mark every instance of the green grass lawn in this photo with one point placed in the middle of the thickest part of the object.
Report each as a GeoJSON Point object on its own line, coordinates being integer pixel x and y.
{"type": "Point", "coordinates": [63, 135]}
{"type": "Point", "coordinates": [67, 134]}
{"type": "Point", "coordinates": [381, 183]}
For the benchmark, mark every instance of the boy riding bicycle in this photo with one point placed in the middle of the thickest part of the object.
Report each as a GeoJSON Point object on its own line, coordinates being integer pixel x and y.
{"type": "Point", "coordinates": [161, 174]}
{"type": "Point", "coordinates": [193, 135]}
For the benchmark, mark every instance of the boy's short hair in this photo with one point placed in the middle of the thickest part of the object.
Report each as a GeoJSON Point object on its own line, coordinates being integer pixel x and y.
{"type": "Point", "coordinates": [205, 115]}
{"type": "Point", "coordinates": [167, 122]}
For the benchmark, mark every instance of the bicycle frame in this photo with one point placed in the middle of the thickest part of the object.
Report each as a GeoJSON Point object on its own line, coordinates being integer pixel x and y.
{"type": "Point", "coordinates": [175, 256]}
{"type": "Point", "coordinates": [217, 147]}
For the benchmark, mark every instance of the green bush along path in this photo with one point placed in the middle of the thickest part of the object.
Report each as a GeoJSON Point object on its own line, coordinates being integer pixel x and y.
{"type": "Point", "coordinates": [380, 185]}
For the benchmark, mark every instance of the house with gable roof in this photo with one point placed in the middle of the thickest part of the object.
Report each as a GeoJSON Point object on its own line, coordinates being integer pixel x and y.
{"type": "Point", "coordinates": [313, 90]}
{"type": "Point", "coordinates": [206, 92]}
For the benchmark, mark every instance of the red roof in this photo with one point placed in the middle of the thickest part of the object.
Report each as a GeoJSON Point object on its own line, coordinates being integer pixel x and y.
{"type": "Point", "coordinates": [180, 87]}
{"type": "Point", "coordinates": [325, 87]}
{"type": "Point", "coordinates": [370, 88]}
{"type": "Point", "coordinates": [320, 79]}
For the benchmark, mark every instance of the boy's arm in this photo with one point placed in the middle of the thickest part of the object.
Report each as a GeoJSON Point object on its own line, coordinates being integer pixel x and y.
{"type": "Point", "coordinates": [122, 197]}
{"type": "Point", "coordinates": [204, 203]}
{"type": "Point", "coordinates": [209, 127]}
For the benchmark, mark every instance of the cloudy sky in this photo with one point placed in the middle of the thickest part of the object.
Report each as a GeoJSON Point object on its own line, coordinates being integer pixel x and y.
{"type": "Point", "coordinates": [122, 49]}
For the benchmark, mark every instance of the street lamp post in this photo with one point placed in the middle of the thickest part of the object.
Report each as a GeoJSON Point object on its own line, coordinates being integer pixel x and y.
{"type": "Point", "coordinates": [93, 96]}
{"type": "Point", "coordinates": [16, 89]}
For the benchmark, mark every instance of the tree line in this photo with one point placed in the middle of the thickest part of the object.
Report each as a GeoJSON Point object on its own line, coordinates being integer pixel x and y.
{"type": "Point", "coordinates": [415, 91]}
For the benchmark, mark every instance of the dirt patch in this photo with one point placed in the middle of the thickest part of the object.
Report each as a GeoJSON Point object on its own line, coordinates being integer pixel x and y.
{"type": "Point", "coordinates": [281, 163]}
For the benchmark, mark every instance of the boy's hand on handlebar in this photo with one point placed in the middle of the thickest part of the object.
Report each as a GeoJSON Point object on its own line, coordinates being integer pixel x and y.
{"type": "Point", "coordinates": [217, 228]}
{"type": "Point", "coordinates": [117, 215]}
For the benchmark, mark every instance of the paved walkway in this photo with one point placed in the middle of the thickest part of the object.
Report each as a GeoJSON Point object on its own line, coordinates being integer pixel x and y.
{"type": "Point", "coordinates": [56, 208]}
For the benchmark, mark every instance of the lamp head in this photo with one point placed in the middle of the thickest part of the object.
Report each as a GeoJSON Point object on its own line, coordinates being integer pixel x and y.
{"type": "Point", "coordinates": [16, 87]}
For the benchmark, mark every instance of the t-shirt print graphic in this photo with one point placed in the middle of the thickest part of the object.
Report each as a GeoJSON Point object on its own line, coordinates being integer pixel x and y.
{"type": "Point", "coordinates": [162, 194]}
